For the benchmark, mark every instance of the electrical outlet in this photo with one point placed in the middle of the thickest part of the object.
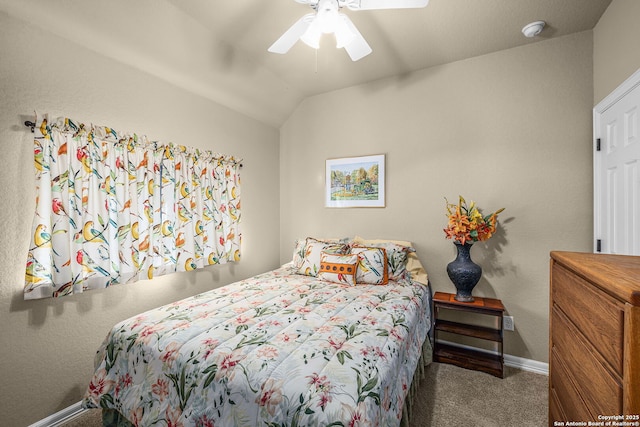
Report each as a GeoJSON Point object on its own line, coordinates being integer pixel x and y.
{"type": "Point", "coordinates": [507, 322]}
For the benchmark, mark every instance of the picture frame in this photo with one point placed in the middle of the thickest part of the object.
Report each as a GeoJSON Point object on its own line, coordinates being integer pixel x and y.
{"type": "Point", "coordinates": [355, 182]}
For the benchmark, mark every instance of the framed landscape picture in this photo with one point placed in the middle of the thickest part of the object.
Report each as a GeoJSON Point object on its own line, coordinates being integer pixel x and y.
{"type": "Point", "coordinates": [355, 182]}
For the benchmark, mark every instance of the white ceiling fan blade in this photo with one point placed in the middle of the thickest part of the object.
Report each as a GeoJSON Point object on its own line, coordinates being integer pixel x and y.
{"type": "Point", "coordinates": [358, 48]}
{"type": "Point", "coordinates": [291, 36]}
{"type": "Point", "coordinates": [385, 4]}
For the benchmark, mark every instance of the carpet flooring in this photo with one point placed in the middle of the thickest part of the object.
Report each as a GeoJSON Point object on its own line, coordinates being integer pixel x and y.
{"type": "Point", "coordinates": [450, 396]}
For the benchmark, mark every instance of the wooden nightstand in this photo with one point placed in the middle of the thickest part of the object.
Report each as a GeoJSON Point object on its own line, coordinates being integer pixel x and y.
{"type": "Point", "coordinates": [471, 359]}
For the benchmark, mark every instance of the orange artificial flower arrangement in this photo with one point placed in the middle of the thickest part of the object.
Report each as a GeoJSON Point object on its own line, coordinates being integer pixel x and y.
{"type": "Point", "coordinates": [467, 224]}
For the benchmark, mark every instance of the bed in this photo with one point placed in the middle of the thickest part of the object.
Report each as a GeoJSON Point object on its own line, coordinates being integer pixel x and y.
{"type": "Point", "coordinates": [333, 338]}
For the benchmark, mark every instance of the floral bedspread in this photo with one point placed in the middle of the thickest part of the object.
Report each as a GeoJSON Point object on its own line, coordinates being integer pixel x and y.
{"type": "Point", "coordinates": [278, 349]}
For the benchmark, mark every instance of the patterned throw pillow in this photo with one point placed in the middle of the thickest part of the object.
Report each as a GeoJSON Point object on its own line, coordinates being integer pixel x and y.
{"type": "Point", "coordinates": [372, 265]}
{"type": "Point", "coordinates": [310, 265]}
{"type": "Point", "coordinates": [338, 268]}
{"type": "Point", "coordinates": [301, 245]}
{"type": "Point", "coordinates": [396, 258]}
{"type": "Point", "coordinates": [298, 252]}
{"type": "Point", "coordinates": [413, 266]}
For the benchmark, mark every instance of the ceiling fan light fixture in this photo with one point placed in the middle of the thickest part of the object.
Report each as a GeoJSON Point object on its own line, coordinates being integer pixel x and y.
{"type": "Point", "coordinates": [311, 37]}
{"type": "Point", "coordinates": [326, 24]}
{"type": "Point", "coordinates": [327, 15]}
{"type": "Point", "coordinates": [327, 19]}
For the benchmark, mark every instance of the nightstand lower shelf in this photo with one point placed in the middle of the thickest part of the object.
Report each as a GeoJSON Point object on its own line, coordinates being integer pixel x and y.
{"type": "Point", "coordinates": [469, 359]}
{"type": "Point", "coordinates": [479, 360]}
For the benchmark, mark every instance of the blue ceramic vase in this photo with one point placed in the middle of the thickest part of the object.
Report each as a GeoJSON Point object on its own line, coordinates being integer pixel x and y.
{"type": "Point", "coordinates": [464, 273]}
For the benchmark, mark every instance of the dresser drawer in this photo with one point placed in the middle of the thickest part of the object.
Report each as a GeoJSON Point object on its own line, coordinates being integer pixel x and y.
{"type": "Point", "coordinates": [599, 317]}
{"type": "Point", "coordinates": [597, 386]}
{"type": "Point", "coordinates": [555, 409]}
{"type": "Point", "coordinates": [564, 390]}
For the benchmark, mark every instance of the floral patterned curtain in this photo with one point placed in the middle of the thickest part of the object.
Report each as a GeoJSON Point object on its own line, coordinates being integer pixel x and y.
{"type": "Point", "coordinates": [114, 208]}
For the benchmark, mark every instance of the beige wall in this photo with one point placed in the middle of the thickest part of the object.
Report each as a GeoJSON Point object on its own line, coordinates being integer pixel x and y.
{"type": "Point", "coordinates": [616, 55]}
{"type": "Point", "coordinates": [47, 346]}
{"type": "Point", "coordinates": [510, 129]}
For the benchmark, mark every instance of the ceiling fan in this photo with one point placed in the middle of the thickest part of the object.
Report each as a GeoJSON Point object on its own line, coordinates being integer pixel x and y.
{"type": "Point", "coordinates": [327, 19]}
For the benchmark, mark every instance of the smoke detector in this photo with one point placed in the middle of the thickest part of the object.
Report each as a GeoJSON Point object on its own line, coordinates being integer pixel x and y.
{"type": "Point", "coordinates": [533, 29]}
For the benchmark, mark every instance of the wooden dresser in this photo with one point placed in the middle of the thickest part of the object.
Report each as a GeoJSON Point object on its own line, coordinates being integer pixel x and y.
{"type": "Point", "coordinates": [594, 338]}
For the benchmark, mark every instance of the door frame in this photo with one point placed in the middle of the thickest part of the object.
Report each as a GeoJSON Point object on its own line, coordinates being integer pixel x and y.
{"type": "Point", "coordinates": [620, 92]}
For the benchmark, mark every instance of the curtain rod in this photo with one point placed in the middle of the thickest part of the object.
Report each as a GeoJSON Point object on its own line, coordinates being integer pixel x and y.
{"type": "Point", "coordinates": [32, 125]}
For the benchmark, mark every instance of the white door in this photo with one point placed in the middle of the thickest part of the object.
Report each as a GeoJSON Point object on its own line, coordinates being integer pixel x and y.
{"type": "Point", "coordinates": [617, 170]}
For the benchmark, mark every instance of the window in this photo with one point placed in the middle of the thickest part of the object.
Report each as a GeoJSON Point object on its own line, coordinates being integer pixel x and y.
{"type": "Point", "coordinates": [114, 208]}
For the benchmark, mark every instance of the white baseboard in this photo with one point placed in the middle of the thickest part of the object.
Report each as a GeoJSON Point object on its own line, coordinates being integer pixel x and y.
{"type": "Point", "coordinates": [530, 365]}
{"type": "Point", "coordinates": [61, 417]}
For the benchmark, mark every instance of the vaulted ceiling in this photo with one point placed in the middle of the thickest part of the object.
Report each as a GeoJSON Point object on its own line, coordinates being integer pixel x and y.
{"type": "Point", "coordinates": [218, 49]}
